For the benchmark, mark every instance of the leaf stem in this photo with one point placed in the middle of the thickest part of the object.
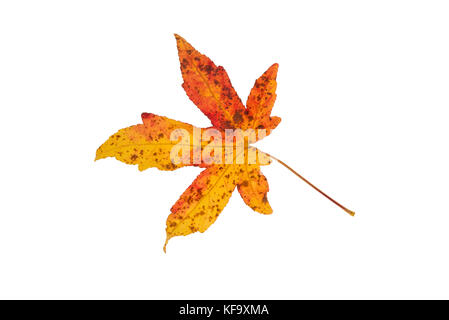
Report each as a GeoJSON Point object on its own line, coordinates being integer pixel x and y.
{"type": "Point", "coordinates": [310, 184]}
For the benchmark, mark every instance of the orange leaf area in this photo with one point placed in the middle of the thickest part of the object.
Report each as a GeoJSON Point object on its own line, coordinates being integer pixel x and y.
{"type": "Point", "coordinates": [226, 164]}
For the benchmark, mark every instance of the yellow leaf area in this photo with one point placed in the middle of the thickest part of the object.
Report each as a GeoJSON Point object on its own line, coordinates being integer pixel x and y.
{"type": "Point", "coordinates": [202, 202]}
{"type": "Point", "coordinates": [149, 145]}
{"type": "Point", "coordinates": [146, 145]}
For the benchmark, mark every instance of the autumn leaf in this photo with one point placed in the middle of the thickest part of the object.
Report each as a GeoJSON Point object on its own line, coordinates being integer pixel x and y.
{"type": "Point", "coordinates": [229, 161]}
{"type": "Point", "coordinates": [147, 145]}
{"type": "Point", "coordinates": [202, 202]}
{"type": "Point", "coordinates": [209, 87]}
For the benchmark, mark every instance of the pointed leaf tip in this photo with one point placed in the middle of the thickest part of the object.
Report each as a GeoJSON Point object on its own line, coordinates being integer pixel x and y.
{"type": "Point", "coordinates": [272, 71]}
{"type": "Point", "coordinates": [146, 115]}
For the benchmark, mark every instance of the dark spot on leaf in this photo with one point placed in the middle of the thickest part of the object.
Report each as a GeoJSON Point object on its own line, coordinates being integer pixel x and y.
{"type": "Point", "coordinates": [238, 118]}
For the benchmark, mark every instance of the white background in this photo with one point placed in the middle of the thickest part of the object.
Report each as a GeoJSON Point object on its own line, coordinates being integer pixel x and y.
{"type": "Point", "coordinates": [363, 96]}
